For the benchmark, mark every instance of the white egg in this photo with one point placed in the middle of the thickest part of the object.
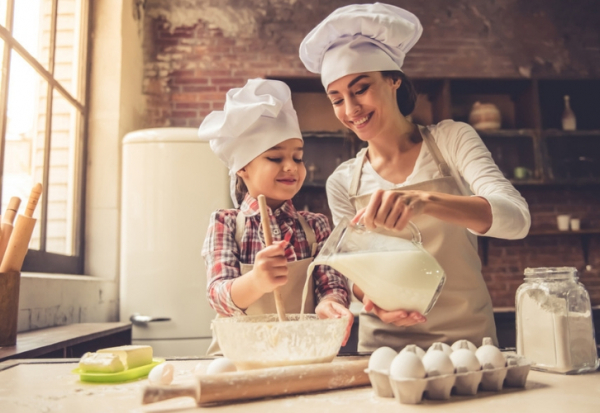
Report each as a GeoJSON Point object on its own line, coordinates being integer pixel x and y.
{"type": "Point", "coordinates": [407, 365]}
{"type": "Point", "coordinates": [200, 368]}
{"type": "Point", "coordinates": [161, 374]}
{"type": "Point", "coordinates": [413, 348]}
{"type": "Point", "coordinates": [489, 355]}
{"type": "Point", "coordinates": [220, 365]}
{"type": "Point", "coordinates": [441, 347]}
{"type": "Point", "coordinates": [437, 363]}
{"type": "Point", "coordinates": [464, 344]}
{"type": "Point", "coordinates": [465, 360]}
{"type": "Point", "coordinates": [381, 359]}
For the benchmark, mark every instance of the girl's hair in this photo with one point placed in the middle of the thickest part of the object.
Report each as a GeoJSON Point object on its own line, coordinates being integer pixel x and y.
{"type": "Point", "coordinates": [240, 189]}
{"type": "Point", "coordinates": [406, 97]}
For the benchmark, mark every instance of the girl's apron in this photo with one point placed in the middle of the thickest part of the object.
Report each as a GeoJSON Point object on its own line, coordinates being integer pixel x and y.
{"type": "Point", "coordinates": [464, 307]}
{"type": "Point", "coordinates": [291, 292]}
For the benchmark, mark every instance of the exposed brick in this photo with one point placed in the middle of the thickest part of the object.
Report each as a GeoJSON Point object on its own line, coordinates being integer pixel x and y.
{"type": "Point", "coordinates": [184, 97]}
{"type": "Point", "coordinates": [189, 70]}
{"type": "Point", "coordinates": [193, 105]}
{"type": "Point", "coordinates": [183, 114]}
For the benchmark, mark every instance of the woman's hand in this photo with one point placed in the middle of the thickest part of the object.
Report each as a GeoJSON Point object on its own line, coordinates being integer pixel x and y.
{"type": "Point", "coordinates": [400, 318]}
{"type": "Point", "coordinates": [332, 309]}
{"type": "Point", "coordinates": [270, 267]}
{"type": "Point", "coordinates": [392, 209]}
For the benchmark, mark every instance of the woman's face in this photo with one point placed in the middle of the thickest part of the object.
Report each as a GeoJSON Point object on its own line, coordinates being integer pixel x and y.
{"type": "Point", "coordinates": [277, 173]}
{"type": "Point", "coordinates": [365, 102]}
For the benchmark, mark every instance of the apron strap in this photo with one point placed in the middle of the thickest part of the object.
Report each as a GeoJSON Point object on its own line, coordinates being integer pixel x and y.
{"type": "Point", "coordinates": [358, 164]}
{"type": "Point", "coordinates": [435, 151]}
{"type": "Point", "coordinates": [310, 235]}
{"type": "Point", "coordinates": [240, 226]}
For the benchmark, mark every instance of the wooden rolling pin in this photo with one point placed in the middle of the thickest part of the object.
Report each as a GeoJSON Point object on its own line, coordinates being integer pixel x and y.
{"type": "Point", "coordinates": [18, 243]}
{"type": "Point", "coordinates": [264, 219]}
{"type": "Point", "coordinates": [6, 227]}
{"type": "Point", "coordinates": [256, 384]}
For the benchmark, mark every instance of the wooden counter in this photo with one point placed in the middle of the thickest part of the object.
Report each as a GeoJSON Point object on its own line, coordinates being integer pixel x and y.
{"type": "Point", "coordinates": [49, 386]}
{"type": "Point", "coordinates": [72, 340]}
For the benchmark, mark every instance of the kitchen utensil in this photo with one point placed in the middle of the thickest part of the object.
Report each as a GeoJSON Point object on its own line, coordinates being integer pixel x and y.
{"type": "Point", "coordinates": [485, 116]}
{"type": "Point", "coordinates": [119, 377]}
{"type": "Point", "coordinates": [264, 219]}
{"type": "Point", "coordinates": [279, 381]}
{"type": "Point", "coordinates": [575, 224]}
{"type": "Point", "coordinates": [9, 307]}
{"type": "Point", "coordinates": [554, 322]}
{"type": "Point", "coordinates": [393, 272]}
{"type": "Point", "coordinates": [260, 341]}
{"type": "Point", "coordinates": [18, 243]}
{"type": "Point", "coordinates": [7, 223]}
{"type": "Point", "coordinates": [562, 222]}
{"type": "Point", "coordinates": [522, 172]}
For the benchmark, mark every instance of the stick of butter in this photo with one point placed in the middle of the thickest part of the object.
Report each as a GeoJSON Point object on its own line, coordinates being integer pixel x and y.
{"type": "Point", "coordinates": [101, 363]}
{"type": "Point", "coordinates": [131, 356]}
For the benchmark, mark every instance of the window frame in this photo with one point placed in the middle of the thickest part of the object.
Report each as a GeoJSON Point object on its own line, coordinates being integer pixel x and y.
{"type": "Point", "coordinates": [41, 260]}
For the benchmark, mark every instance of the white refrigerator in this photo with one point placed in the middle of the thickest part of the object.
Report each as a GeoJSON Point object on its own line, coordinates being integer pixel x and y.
{"type": "Point", "coordinates": [171, 184]}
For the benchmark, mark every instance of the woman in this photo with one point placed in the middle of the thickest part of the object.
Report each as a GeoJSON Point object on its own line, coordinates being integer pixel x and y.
{"type": "Point", "coordinates": [441, 177]}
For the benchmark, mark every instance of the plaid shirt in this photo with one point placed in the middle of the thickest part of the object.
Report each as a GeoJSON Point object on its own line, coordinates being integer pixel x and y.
{"type": "Point", "coordinates": [223, 256]}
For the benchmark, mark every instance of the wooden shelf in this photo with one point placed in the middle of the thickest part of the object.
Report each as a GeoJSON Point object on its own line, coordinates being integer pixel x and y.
{"type": "Point", "coordinates": [575, 133]}
{"type": "Point", "coordinates": [67, 341]}
{"type": "Point", "coordinates": [557, 232]}
{"type": "Point", "coordinates": [584, 235]}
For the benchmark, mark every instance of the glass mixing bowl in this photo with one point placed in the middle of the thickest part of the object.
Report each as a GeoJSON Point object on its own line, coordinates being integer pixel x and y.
{"type": "Point", "coordinates": [261, 341]}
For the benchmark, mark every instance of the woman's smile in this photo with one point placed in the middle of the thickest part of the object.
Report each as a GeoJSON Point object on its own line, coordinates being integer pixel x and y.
{"type": "Point", "coordinates": [361, 122]}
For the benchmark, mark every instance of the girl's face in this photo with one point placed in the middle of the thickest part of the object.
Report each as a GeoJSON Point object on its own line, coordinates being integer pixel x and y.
{"type": "Point", "coordinates": [277, 173]}
{"type": "Point", "coordinates": [365, 102]}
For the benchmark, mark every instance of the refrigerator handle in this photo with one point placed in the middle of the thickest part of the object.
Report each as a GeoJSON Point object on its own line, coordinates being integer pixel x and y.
{"type": "Point", "coordinates": [142, 320]}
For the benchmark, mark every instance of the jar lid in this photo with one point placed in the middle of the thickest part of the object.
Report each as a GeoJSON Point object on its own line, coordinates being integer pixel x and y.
{"type": "Point", "coordinates": [550, 272]}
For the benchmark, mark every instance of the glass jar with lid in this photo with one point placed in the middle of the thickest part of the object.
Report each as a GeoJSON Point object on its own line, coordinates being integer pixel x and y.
{"type": "Point", "coordinates": [555, 330]}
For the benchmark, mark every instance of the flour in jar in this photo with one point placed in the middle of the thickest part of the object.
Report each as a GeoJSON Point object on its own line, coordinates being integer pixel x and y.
{"type": "Point", "coordinates": [552, 337]}
{"type": "Point", "coordinates": [408, 280]}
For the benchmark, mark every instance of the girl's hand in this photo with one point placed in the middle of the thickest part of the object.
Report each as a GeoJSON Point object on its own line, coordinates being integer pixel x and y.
{"type": "Point", "coordinates": [270, 267]}
{"type": "Point", "coordinates": [400, 318]}
{"type": "Point", "coordinates": [333, 309]}
{"type": "Point", "coordinates": [391, 209]}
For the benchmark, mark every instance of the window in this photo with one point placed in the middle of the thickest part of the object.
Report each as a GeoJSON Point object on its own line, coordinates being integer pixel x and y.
{"type": "Point", "coordinates": [43, 118]}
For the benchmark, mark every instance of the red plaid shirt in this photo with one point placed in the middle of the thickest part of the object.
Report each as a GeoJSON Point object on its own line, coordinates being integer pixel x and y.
{"type": "Point", "coordinates": [223, 256]}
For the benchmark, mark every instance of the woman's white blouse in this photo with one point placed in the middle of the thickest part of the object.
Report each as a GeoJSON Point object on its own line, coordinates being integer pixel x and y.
{"type": "Point", "coordinates": [472, 167]}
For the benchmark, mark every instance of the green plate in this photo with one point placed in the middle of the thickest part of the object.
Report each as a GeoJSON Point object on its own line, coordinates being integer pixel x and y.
{"type": "Point", "coordinates": [121, 376]}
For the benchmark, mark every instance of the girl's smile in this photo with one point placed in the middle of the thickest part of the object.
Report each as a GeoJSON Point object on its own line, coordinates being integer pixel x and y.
{"type": "Point", "coordinates": [278, 173]}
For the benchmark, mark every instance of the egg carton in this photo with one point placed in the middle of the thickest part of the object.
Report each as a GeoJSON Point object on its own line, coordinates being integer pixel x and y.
{"type": "Point", "coordinates": [439, 387]}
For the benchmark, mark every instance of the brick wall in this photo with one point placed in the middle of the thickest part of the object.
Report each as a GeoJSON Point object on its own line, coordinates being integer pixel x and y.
{"type": "Point", "coordinates": [195, 52]}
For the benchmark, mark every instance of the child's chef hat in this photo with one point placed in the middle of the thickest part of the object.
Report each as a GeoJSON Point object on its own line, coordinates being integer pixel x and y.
{"type": "Point", "coordinates": [360, 38]}
{"type": "Point", "coordinates": [255, 118]}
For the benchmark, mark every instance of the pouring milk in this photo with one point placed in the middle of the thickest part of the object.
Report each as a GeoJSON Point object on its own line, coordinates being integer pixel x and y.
{"type": "Point", "coordinates": [393, 272]}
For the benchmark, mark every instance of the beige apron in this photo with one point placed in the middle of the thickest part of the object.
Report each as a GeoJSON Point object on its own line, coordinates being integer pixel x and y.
{"type": "Point", "coordinates": [291, 292]}
{"type": "Point", "coordinates": [464, 308]}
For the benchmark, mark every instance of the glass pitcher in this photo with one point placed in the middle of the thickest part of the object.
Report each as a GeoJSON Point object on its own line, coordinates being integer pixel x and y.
{"type": "Point", "coordinates": [395, 273]}
{"type": "Point", "coordinates": [554, 322]}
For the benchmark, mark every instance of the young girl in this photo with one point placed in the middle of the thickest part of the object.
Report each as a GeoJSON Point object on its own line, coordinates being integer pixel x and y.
{"type": "Point", "coordinates": [257, 135]}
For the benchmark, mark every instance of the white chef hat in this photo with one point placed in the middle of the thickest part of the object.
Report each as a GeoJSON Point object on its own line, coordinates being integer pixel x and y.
{"type": "Point", "coordinates": [360, 38]}
{"type": "Point", "coordinates": [255, 118]}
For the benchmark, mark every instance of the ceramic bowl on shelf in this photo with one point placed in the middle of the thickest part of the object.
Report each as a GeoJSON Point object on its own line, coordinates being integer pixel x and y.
{"type": "Point", "coordinates": [485, 116]}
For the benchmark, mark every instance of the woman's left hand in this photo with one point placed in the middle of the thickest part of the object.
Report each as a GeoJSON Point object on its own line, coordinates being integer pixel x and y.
{"type": "Point", "coordinates": [400, 318]}
{"type": "Point", "coordinates": [333, 309]}
{"type": "Point", "coordinates": [391, 209]}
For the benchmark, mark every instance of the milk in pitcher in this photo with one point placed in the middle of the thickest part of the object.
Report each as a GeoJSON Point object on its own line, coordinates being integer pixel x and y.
{"type": "Point", "coordinates": [394, 280]}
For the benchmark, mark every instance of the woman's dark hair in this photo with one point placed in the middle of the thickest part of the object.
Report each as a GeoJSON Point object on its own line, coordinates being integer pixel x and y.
{"type": "Point", "coordinates": [406, 97]}
{"type": "Point", "coordinates": [240, 189]}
